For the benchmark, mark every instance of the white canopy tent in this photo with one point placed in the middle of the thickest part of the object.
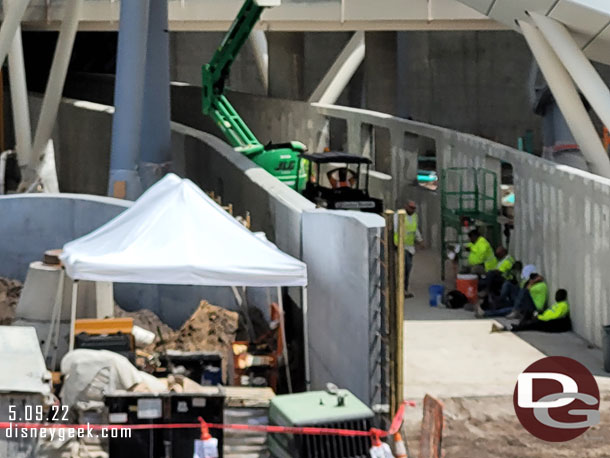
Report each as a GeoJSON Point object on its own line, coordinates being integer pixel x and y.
{"type": "Point", "coordinates": [175, 234]}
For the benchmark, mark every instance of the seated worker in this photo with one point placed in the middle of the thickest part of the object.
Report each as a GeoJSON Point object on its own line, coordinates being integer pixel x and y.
{"type": "Point", "coordinates": [554, 319]}
{"type": "Point", "coordinates": [531, 297]}
{"type": "Point", "coordinates": [501, 299]}
{"type": "Point", "coordinates": [505, 262]}
{"type": "Point", "coordinates": [341, 178]}
{"type": "Point", "coordinates": [481, 257]}
{"type": "Point", "coordinates": [491, 285]}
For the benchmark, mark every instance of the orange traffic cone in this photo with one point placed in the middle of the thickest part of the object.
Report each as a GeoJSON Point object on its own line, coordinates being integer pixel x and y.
{"type": "Point", "coordinates": [400, 450]}
{"type": "Point", "coordinates": [380, 449]}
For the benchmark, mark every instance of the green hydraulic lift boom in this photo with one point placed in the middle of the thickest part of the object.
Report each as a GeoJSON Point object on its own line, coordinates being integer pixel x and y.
{"type": "Point", "coordinates": [281, 160]}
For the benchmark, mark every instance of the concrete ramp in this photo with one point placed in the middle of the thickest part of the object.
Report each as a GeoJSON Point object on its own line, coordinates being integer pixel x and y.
{"type": "Point", "coordinates": [451, 354]}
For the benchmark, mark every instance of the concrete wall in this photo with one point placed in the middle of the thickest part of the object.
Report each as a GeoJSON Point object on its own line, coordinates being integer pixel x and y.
{"type": "Point", "coordinates": [562, 215]}
{"type": "Point", "coordinates": [341, 249]}
{"type": "Point", "coordinates": [471, 81]}
{"type": "Point", "coordinates": [39, 222]}
{"type": "Point", "coordinates": [190, 50]}
{"type": "Point", "coordinates": [35, 223]}
{"type": "Point", "coordinates": [455, 79]}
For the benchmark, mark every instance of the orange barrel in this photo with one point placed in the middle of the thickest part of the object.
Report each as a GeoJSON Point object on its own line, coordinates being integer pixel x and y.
{"type": "Point", "coordinates": [468, 285]}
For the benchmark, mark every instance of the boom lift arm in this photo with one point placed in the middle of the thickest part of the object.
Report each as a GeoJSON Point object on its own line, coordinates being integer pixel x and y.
{"type": "Point", "coordinates": [280, 160]}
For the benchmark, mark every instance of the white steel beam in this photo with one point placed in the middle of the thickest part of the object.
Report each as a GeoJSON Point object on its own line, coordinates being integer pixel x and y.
{"type": "Point", "coordinates": [568, 100]}
{"type": "Point", "coordinates": [258, 40]}
{"type": "Point", "coordinates": [341, 71]}
{"type": "Point", "coordinates": [55, 86]}
{"type": "Point", "coordinates": [10, 25]}
{"type": "Point", "coordinates": [577, 64]}
{"type": "Point", "coordinates": [19, 97]}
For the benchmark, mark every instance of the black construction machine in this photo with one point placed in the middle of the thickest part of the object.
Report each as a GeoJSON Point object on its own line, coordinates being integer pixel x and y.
{"type": "Point", "coordinates": [348, 184]}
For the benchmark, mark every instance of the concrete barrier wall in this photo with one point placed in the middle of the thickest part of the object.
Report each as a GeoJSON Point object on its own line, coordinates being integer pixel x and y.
{"type": "Point", "coordinates": [341, 250]}
{"type": "Point", "coordinates": [34, 223]}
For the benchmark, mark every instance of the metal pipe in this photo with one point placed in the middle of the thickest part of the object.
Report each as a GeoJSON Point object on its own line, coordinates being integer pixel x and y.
{"type": "Point", "coordinates": [19, 97]}
{"type": "Point", "coordinates": [10, 24]}
{"type": "Point", "coordinates": [568, 100]}
{"type": "Point", "coordinates": [341, 71]}
{"type": "Point", "coordinates": [73, 305]}
{"type": "Point", "coordinates": [124, 181]}
{"type": "Point", "coordinates": [55, 85]}
{"type": "Point", "coordinates": [280, 301]}
{"type": "Point", "coordinates": [156, 145]}
{"type": "Point", "coordinates": [399, 316]}
{"type": "Point", "coordinates": [577, 64]}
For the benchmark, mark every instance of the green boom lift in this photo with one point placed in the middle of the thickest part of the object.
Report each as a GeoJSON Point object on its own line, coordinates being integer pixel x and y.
{"type": "Point", "coordinates": [281, 160]}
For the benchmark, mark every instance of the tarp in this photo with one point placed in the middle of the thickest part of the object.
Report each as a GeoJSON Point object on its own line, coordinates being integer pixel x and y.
{"type": "Point", "coordinates": [22, 366]}
{"type": "Point", "coordinates": [175, 234]}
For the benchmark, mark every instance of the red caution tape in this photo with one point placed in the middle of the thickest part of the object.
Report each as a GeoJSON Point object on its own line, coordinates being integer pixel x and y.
{"type": "Point", "coordinates": [307, 430]}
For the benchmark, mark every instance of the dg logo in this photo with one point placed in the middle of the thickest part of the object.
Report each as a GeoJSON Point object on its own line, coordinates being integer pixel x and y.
{"type": "Point", "coordinates": [557, 399]}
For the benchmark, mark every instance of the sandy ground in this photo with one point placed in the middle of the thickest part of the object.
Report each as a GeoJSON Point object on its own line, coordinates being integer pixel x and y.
{"type": "Point", "coordinates": [454, 357]}
{"type": "Point", "coordinates": [487, 427]}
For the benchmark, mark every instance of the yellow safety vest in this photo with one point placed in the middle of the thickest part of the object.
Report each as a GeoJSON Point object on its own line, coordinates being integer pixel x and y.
{"type": "Point", "coordinates": [557, 311]}
{"type": "Point", "coordinates": [410, 231]}
{"type": "Point", "coordinates": [505, 266]}
{"type": "Point", "coordinates": [482, 253]}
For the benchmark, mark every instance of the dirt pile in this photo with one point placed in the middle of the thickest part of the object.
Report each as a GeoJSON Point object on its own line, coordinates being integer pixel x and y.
{"type": "Point", "coordinates": [10, 290]}
{"type": "Point", "coordinates": [210, 328]}
{"type": "Point", "coordinates": [146, 319]}
{"type": "Point", "coordinates": [487, 427]}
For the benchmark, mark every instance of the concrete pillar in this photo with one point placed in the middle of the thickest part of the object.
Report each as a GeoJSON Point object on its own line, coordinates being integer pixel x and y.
{"type": "Point", "coordinates": [286, 64]}
{"type": "Point", "coordinates": [568, 99]}
{"type": "Point", "coordinates": [155, 151]}
{"type": "Point", "coordinates": [124, 181]}
{"type": "Point", "coordinates": [403, 64]}
{"type": "Point", "coordinates": [382, 80]}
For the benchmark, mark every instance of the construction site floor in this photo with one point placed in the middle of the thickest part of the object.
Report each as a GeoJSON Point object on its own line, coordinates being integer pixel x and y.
{"type": "Point", "coordinates": [453, 355]}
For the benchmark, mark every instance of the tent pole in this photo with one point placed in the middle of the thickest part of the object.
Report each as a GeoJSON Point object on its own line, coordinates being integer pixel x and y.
{"type": "Point", "coordinates": [306, 340]}
{"type": "Point", "coordinates": [73, 313]}
{"type": "Point", "coordinates": [55, 314]}
{"type": "Point", "coordinates": [280, 301]}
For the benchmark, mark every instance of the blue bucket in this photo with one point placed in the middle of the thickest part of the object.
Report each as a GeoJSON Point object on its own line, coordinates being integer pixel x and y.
{"type": "Point", "coordinates": [436, 294]}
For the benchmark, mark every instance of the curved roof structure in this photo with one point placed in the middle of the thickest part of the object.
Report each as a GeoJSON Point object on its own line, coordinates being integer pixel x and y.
{"type": "Point", "coordinates": [588, 20]}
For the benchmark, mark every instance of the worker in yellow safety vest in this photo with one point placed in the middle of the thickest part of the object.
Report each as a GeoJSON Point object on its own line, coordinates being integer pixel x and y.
{"type": "Point", "coordinates": [481, 255]}
{"type": "Point", "coordinates": [412, 237]}
{"type": "Point", "coordinates": [505, 263]}
{"type": "Point", "coordinates": [552, 319]}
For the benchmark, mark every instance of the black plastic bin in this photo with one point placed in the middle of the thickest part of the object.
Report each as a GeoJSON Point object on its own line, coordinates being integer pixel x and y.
{"type": "Point", "coordinates": [198, 365]}
{"type": "Point", "coordinates": [146, 408]}
{"type": "Point", "coordinates": [119, 343]}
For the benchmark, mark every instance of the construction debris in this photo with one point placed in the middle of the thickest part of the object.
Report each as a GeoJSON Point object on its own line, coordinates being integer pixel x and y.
{"type": "Point", "coordinates": [148, 320]}
{"type": "Point", "coordinates": [210, 328]}
{"type": "Point", "coordinates": [10, 290]}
